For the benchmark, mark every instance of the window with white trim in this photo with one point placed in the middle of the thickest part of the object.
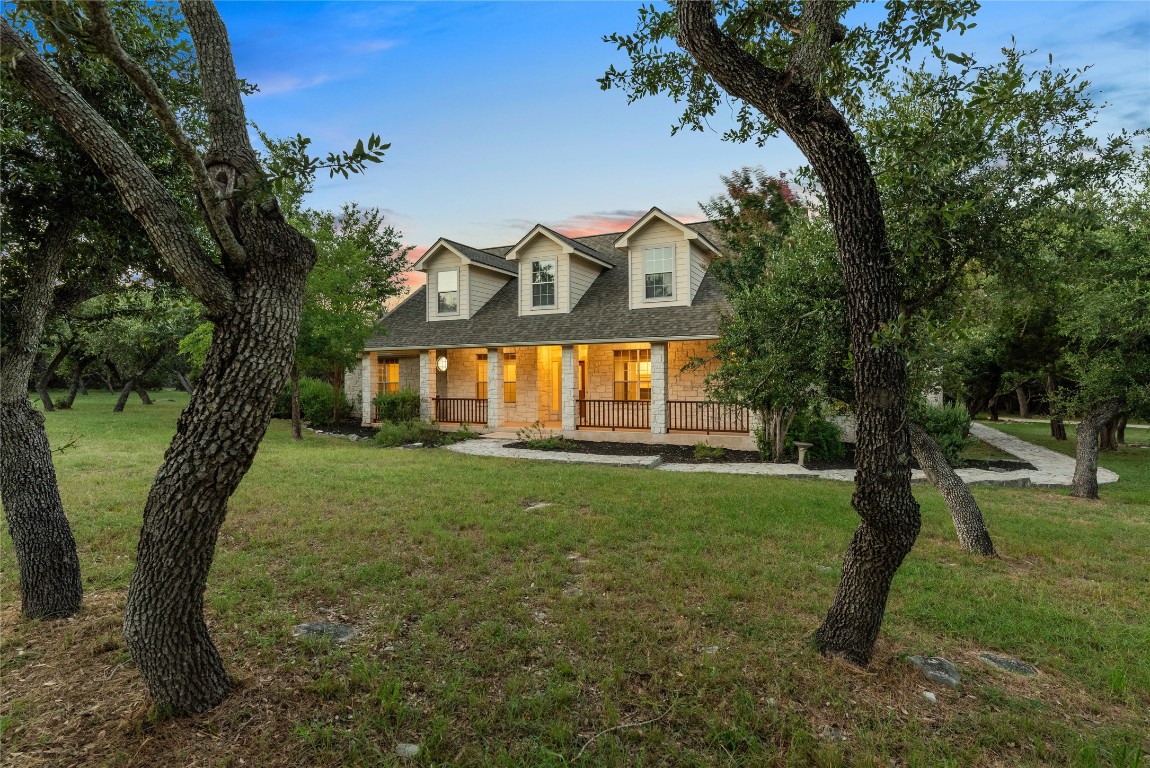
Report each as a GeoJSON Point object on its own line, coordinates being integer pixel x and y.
{"type": "Point", "coordinates": [658, 271]}
{"type": "Point", "coordinates": [543, 282]}
{"type": "Point", "coordinates": [447, 283]}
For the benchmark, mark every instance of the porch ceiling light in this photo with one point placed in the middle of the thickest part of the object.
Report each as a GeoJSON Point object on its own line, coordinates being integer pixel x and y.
{"type": "Point", "coordinates": [441, 363]}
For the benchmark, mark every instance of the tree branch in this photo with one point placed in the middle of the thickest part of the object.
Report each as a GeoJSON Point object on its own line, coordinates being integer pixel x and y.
{"type": "Point", "coordinates": [108, 42]}
{"type": "Point", "coordinates": [227, 124]}
{"type": "Point", "coordinates": [35, 305]}
{"type": "Point", "coordinates": [821, 20]}
{"type": "Point", "coordinates": [139, 190]}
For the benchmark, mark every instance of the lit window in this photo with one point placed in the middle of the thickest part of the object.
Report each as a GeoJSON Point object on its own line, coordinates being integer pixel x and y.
{"type": "Point", "coordinates": [632, 374]}
{"type": "Point", "coordinates": [481, 377]}
{"type": "Point", "coordinates": [509, 377]}
{"type": "Point", "coordinates": [448, 286]}
{"type": "Point", "coordinates": [543, 283]}
{"type": "Point", "coordinates": [388, 374]}
{"type": "Point", "coordinates": [658, 271]}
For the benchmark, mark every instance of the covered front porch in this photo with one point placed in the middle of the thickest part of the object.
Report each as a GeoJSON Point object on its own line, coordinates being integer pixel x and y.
{"type": "Point", "coordinates": [625, 392]}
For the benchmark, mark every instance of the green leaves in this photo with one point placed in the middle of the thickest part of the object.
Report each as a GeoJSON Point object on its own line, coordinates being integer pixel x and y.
{"type": "Point", "coordinates": [292, 169]}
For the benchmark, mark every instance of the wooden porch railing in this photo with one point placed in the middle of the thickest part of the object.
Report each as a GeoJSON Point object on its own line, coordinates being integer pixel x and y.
{"type": "Point", "coordinates": [614, 414]}
{"type": "Point", "coordinates": [460, 410]}
{"type": "Point", "coordinates": [705, 416]}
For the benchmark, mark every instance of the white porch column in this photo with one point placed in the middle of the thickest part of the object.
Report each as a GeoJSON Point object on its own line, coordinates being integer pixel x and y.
{"type": "Point", "coordinates": [570, 389]}
{"type": "Point", "coordinates": [365, 393]}
{"type": "Point", "coordinates": [658, 388]}
{"type": "Point", "coordinates": [426, 383]}
{"type": "Point", "coordinates": [494, 387]}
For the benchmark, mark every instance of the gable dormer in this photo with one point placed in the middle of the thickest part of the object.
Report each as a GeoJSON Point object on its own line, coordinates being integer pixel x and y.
{"type": "Point", "coordinates": [460, 279]}
{"type": "Point", "coordinates": [666, 261]}
{"type": "Point", "coordinates": [554, 271]}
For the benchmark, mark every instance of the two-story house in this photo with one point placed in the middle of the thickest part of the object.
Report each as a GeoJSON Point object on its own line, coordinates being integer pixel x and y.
{"type": "Point", "coordinates": [588, 335]}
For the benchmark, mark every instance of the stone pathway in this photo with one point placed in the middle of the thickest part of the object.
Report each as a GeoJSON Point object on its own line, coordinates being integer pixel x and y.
{"type": "Point", "coordinates": [1053, 470]}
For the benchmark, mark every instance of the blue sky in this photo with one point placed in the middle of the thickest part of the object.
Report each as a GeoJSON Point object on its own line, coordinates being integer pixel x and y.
{"type": "Point", "coordinates": [497, 123]}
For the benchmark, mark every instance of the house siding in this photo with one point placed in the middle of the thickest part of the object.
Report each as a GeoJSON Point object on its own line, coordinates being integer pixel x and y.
{"type": "Point", "coordinates": [699, 264]}
{"type": "Point", "coordinates": [657, 234]}
{"type": "Point", "coordinates": [483, 286]}
{"type": "Point", "coordinates": [582, 275]}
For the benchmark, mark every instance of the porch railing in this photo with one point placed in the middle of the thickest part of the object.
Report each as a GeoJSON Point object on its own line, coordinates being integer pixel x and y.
{"type": "Point", "coordinates": [460, 410]}
{"type": "Point", "coordinates": [705, 416]}
{"type": "Point", "coordinates": [614, 414]}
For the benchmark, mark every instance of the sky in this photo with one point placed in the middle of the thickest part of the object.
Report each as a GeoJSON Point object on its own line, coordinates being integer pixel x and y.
{"type": "Point", "coordinates": [497, 122]}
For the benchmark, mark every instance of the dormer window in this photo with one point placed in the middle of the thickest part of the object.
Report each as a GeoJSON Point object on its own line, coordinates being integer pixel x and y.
{"type": "Point", "coordinates": [448, 283]}
{"type": "Point", "coordinates": [658, 271]}
{"type": "Point", "coordinates": [543, 283]}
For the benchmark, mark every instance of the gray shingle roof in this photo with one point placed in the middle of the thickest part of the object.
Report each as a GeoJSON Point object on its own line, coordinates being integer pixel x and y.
{"type": "Point", "coordinates": [601, 315]}
{"type": "Point", "coordinates": [483, 257]}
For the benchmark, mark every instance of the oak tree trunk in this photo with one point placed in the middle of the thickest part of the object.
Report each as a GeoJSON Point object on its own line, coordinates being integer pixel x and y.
{"type": "Point", "coordinates": [125, 392]}
{"type": "Point", "coordinates": [1057, 428]}
{"type": "Point", "coordinates": [185, 382]}
{"type": "Point", "coordinates": [968, 522]}
{"type": "Point", "coordinates": [1085, 484]}
{"type": "Point", "coordinates": [1120, 432]}
{"type": "Point", "coordinates": [42, 540]}
{"type": "Point", "coordinates": [889, 514]}
{"type": "Point", "coordinates": [992, 407]}
{"type": "Point", "coordinates": [145, 398]}
{"type": "Point", "coordinates": [296, 417]}
{"type": "Point", "coordinates": [1108, 435]}
{"type": "Point", "coordinates": [1023, 395]}
{"type": "Point", "coordinates": [46, 376]}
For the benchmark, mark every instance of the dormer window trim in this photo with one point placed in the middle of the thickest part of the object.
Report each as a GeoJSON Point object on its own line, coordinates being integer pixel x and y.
{"type": "Point", "coordinates": [448, 294]}
{"type": "Point", "coordinates": [659, 273]}
{"type": "Point", "coordinates": [539, 286]}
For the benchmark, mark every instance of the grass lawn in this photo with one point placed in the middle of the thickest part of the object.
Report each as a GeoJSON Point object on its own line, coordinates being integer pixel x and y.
{"type": "Point", "coordinates": [497, 635]}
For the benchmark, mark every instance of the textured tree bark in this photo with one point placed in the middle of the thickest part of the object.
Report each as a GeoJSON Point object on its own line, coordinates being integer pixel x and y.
{"type": "Point", "coordinates": [296, 416]}
{"type": "Point", "coordinates": [145, 398]}
{"type": "Point", "coordinates": [1085, 483]}
{"type": "Point", "coordinates": [1057, 428]}
{"type": "Point", "coordinates": [968, 522]}
{"type": "Point", "coordinates": [882, 498]}
{"type": "Point", "coordinates": [45, 550]}
{"type": "Point", "coordinates": [254, 298]}
{"type": "Point", "coordinates": [1108, 435]}
{"type": "Point", "coordinates": [185, 382]}
{"type": "Point", "coordinates": [1023, 395]}
{"type": "Point", "coordinates": [1120, 432]}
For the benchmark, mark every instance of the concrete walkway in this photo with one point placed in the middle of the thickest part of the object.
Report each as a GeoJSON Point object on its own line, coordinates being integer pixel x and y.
{"type": "Point", "coordinates": [1052, 469]}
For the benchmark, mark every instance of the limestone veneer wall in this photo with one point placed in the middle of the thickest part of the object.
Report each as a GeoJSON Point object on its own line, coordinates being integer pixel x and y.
{"type": "Point", "coordinates": [687, 385]}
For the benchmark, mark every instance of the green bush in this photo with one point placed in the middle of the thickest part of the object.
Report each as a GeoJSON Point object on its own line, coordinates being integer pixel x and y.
{"type": "Point", "coordinates": [397, 407]}
{"type": "Point", "coordinates": [540, 438]}
{"type": "Point", "coordinates": [391, 434]}
{"type": "Point", "coordinates": [825, 437]}
{"type": "Point", "coordinates": [403, 433]}
{"type": "Point", "coordinates": [949, 425]}
{"type": "Point", "coordinates": [708, 452]}
{"type": "Point", "coordinates": [316, 401]}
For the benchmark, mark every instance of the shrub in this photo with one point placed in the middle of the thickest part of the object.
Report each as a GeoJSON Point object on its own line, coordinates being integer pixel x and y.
{"type": "Point", "coordinates": [391, 434]}
{"type": "Point", "coordinates": [402, 433]}
{"type": "Point", "coordinates": [825, 437]}
{"type": "Point", "coordinates": [316, 401]}
{"type": "Point", "coordinates": [949, 425]}
{"type": "Point", "coordinates": [397, 407]}
{"type": "Point", "coordinates": [707, 452]}
{"type": "Point", "coordinates": [540, 438]}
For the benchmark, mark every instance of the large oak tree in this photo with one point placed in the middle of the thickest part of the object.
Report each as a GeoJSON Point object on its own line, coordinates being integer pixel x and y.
{"type": "Point", "coordinates": [785, 65]}
{"type": "Point", "coordinates": [252, 287]}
